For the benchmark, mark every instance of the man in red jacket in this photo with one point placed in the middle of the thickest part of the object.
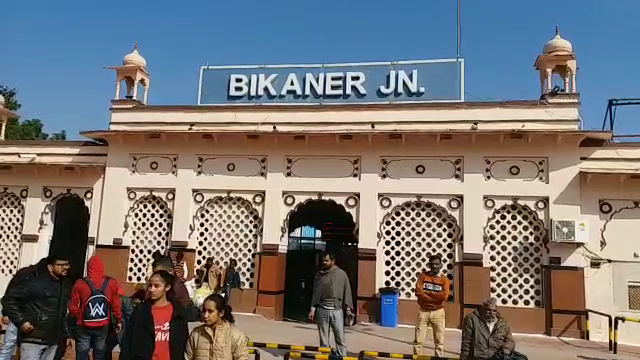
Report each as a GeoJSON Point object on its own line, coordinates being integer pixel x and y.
{"type": "Point", "coordinates": [94, 300]}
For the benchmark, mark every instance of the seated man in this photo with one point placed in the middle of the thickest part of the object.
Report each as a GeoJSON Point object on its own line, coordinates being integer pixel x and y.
{"type": "Point", "coordinates": [487, 336]}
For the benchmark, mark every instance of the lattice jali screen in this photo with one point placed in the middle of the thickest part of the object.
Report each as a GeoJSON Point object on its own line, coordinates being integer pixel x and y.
{"type": "Point", "coordinates": [634, 296]}
{"type": "Point", "coordinates": [228, 227]}
{"type": "Point", "coordinates": [11, 221]}
{"type": "Point", "coordinates": [148, 228]}
{"type": "Point", "coordinates": [515, 244]}
{"type": "Point", "coordinates": [410, 232]}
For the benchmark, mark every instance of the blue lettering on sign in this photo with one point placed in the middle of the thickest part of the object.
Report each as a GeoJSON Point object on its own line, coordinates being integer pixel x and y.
{"type": "Point", "coordinates": [411, 81]}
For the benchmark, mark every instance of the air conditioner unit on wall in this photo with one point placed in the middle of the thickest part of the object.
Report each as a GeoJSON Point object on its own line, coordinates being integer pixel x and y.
{"type": "Point", "coordinates": [569, 231]}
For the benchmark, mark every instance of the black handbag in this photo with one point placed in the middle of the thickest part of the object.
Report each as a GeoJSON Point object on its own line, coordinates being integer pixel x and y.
{"type": "Point", "coordinates": [513, 356]}
{"type": "Point", "coordinates": [518, 356]}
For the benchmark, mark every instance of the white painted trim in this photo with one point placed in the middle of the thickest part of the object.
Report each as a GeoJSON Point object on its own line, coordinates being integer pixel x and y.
{"type": "Point", "coordinates": [461, 79]}
{"type": "Point", "coordinates": [200, 85]}
{"type": "Point", "coordinates": [377, 63]}
{"type": "Point", "coordinates": [335, 103]}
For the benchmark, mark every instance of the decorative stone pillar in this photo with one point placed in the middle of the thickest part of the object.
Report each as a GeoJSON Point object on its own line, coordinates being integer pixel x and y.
{"type": "Point", "coordinates": [118, 84]}
{"type": "Point", "coordinates": [146, 91]}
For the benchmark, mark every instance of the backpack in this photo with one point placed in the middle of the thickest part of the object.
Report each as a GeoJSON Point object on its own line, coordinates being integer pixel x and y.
{"type": "Point", "coordinates": [96, 308]}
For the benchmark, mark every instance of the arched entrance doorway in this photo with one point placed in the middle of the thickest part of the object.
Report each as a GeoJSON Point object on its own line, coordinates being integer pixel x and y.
{"type": "Point", "coordinates": [315, 226]}
{"type": "Point", "coordinates": [70, 232]}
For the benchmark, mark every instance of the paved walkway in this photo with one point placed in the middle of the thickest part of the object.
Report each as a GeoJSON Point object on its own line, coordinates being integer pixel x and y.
{"type": "Point", "coordinates": [374, 337]}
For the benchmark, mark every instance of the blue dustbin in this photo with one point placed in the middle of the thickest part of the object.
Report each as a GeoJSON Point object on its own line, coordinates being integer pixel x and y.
{"type": "Point", "coordinates": [389, 307]}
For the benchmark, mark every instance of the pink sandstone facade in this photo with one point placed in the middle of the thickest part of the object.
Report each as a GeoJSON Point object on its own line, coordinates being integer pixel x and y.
{"type": "Point", "coordinates": [523, 204]}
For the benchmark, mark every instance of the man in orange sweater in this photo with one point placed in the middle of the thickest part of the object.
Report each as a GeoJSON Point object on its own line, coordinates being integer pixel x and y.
{"type": "Point", "coordinates": [432, 290]}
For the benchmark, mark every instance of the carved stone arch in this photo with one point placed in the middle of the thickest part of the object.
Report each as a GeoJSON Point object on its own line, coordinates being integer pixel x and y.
{"type": "Point", "coordinates": [53, 195]}
{"type": "Point", "coordinates": [348, 203]}
{"type": "Point", "coordinates": [533, 217]}
{"type": "Point", "coordinates": [615, 209]}
{"type": "Point", "coordinates": [130, 82]}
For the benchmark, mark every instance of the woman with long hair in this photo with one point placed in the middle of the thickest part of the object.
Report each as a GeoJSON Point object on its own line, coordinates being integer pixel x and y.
{"type": "Point", "coordinates": [218, 338]}
{"type": "Point", "coordinates": [158, 328]}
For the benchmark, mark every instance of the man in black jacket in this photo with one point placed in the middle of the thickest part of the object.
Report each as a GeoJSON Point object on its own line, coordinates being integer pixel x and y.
{"type": "Point", "coordinates": [38, 307]}
{"type": "Point", "coordinates": [11, 332]}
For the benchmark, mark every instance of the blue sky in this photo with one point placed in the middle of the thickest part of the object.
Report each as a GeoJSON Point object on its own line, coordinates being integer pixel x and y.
{"type": "Point", "coordinates": [55, 51]}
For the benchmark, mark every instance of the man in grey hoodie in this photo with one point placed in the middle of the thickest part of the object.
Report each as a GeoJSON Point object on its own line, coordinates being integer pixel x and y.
{"type": "Point", "coordinates": [331, 294]}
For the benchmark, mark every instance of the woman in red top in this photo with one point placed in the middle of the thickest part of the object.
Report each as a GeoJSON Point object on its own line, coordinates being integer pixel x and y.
{"type": "Point", "coordinates": [158, 329]}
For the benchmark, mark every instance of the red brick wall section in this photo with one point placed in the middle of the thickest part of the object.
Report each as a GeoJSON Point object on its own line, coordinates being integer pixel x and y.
{"type": "Point", "coordinates": [116, 259]}
{"type": "Point", "coordinates": [476, 283]}
{"type": "Point", "coordinates": [271, 267]}
{"type": "Point", "coordinates": [367, 303]}
{"type": "Point", "coordinates": [567, 295]}
{"type": "Point", "coordinates": [524, 320]}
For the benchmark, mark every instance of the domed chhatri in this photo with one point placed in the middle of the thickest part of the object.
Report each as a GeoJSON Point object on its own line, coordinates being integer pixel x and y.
{"type": "Point", "coordinates": [133, 72]}
{"type": "Point", "coordinates": [557, 45]}
{"type": "Point", "coordinates": [134, 58]}
{"type": "Point", "coordinates": [557, 58]}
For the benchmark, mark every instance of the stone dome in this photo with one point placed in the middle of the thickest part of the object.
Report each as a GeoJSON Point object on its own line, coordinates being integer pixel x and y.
{"type": "Point", "coordinates": [134, 58]}
{"type": "Point", "coordinates": [557, 45]}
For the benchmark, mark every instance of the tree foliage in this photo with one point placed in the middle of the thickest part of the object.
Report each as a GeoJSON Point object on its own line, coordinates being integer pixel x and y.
{"type": "Point", "coordinates": [10, 101]}
{"type": "Point", "coordinates": [28, 129]}
{"type": "Point", "coordinates": [61, 136]}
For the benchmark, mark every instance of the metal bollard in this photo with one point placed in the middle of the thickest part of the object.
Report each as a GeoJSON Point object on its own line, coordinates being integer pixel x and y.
{"type": "Point", "coordinates": [609, 322]}
{"type": "Point", "coordinates": [616, 321]}
{"type": "Point", "coordinates": [255, 352]}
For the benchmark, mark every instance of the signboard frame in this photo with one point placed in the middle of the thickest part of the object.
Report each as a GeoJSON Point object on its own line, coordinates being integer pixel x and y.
{"type": "Point", "coordinates": [460, 61]}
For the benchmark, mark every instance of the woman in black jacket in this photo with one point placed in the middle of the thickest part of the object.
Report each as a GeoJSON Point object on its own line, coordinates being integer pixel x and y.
{"type": "Point", "coordinates": [158, 328]}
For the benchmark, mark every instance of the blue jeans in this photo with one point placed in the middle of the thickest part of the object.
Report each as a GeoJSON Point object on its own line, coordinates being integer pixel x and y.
{"type": "Point", "coordinates": [333, 319]}
{"type": "Point", "coordinates": [10, 341]}
{"type": "Point", "coordinates": [30, 351]}
{"type": "Point", "coordinates": [89, 338]}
